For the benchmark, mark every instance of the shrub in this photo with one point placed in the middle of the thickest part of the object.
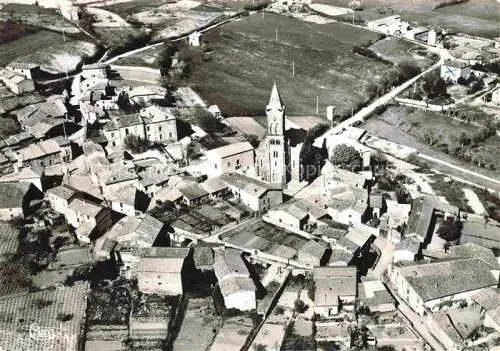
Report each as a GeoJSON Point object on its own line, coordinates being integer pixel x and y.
{"type": "Point", "coordinates": [364, 52]}
{"type": "Point", "coordinates": [206, 121]}
{"type": "Point", "coordinates": [136, 144]}
{"type": "Point", "coordinates": [300, 306]}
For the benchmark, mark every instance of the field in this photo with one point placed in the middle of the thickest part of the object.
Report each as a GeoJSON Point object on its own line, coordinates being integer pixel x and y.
{"type": "Point", "coordinates": [121, 37]}
{"type": "Point", "coordinates": [146, 58]}
{"type": "Point", "coordinates": [128, 8]}
{"type": "Point", "coordinates": [36, 16]}
{"type": "Point", "coordinates": [409, 127]}
{"type": "Point", "coordinates": [397, 51]}
{"type": "Point", "coordinates": [475, 17]}
{"type": "Point", "coordinates": [26, 45]}
{"type": "Point", "coordinates": [440, 132]}
{"type": "Point", "coordinates": [47, 49]}
{"type": "Point", "coordinates": [243, 60]}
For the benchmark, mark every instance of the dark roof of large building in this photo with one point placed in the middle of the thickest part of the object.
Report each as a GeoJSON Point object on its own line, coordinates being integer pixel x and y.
{"type": "Point", "coordinates": [446, 278]}
{"type": "Point", "coordinates": [12, 194]}
{"type": "Point", "coordinates": [471, 250]}
{"type": "Point", "coordinates": [123, 122]}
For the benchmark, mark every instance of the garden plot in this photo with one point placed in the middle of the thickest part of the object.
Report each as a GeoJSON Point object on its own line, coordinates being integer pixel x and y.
{"type": "Point", "coordinates": [106, 18]}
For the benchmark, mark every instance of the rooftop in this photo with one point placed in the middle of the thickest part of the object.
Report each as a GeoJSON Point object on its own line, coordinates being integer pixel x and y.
{"type": "Point", "coordinates": [162, 259]}
{"type": "Point", "coordinates": [471, 250]}
{"type": "Point", "coordinates": [193, 191]}
{"type": "Point", "coordinates": [231, 149]}
{"type": "Point", "coordinates": [229, 262]}
{"type": "Point", "coordinates": [12, 194]}
{"type": "Point", "coordinates": [85, 207]}
{"type": "Point", "coordinates": [63, 191]}
{"type": "Point", "coordinates": [445, 278]}
{"type": "Point", "coordinates": [40, 149]}
{"type": "Point", "coordinates": [246, 184]}
{"type": "Point", "coordinates": [123, 121]}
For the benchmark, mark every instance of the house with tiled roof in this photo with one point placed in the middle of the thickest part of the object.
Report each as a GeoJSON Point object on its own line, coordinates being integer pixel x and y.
{"type": "Point", "coordinates": [89, 218]}
{"type": "Point", "coordinates": [335, 289]}
{"type": "Point", "coordinates": [255, 194]}
{"type": "Point", "coordinates": [237, 288]}
{"type": "Point", "coordinates": [155, 123]}
{"type": "Point", "coordinates": [426, 286]}
{"type": "Point", "coordinates": [159, 270]}
{"type": "Point", "coordinates": [29, 70]}
{"type": "Point", "coordinates": [44, 153]}
{"type": "Point", "coordinates": [237, 157]}
{"type": "Point", "coordinates": [348, 206]}
{"type": "Point", "coordinates": [130, 232]}
{"type": "Point", "coordinates": [374, 296]}
{"type": "Point", "coordinates": [16, 82]}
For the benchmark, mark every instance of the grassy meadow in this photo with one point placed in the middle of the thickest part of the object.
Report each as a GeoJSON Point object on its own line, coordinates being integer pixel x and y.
{"type": "Point", "coordinates": [243, 59]}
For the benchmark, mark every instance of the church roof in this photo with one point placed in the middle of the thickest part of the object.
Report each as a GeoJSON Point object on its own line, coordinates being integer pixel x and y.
{"type": "Point", "coordinates": [275, 98]}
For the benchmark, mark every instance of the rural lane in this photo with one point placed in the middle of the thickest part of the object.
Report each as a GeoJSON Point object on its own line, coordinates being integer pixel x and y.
{"type": "Point", "coordinates": [144, 48]}
{"type": "Point", "coordinates": [368, 110]}
{"type": "Point", "coordinates": [417, 322]}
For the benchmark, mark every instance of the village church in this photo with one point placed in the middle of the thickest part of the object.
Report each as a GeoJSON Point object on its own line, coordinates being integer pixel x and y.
{"type": "Point", "coordinates": [277, 158]}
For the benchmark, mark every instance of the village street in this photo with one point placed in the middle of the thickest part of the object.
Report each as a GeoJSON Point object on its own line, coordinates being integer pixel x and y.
{"type": "Point", "coordinates": [416, 321]}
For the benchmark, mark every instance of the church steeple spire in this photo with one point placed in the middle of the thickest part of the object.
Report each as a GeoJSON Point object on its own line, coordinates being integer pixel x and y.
{"type": "Point", "coordinates": [275, 99]}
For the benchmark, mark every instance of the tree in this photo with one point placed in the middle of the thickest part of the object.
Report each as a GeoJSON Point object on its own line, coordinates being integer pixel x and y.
{"type": "Point", "coordinates": [300, 306]}
{"type": "Point", "coordinates": [434, 86]}
{"type": "Point", "coordinates": [477, 86]}
{"type": "Point", "coordinates": [346, 157]}
{"type": "Point", "coordinates": [408, 70]}
{"type": "Point", "coordinates": [165, 58]}
{"type": "Point", "coordinates": [206, 121]}
{"type": "Point", "coordinates": [136, 144]}
{"type": "Point", "coordinates": [253, 140]}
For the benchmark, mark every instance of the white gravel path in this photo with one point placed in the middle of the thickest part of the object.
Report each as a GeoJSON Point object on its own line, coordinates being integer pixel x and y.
{"type": "Point", "coordinates": [474, 202]}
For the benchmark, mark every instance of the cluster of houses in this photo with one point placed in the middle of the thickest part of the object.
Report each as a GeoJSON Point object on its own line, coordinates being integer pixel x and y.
{"type": "Point", "coordinates": [168, 222]}
{"type": "Point", "coordinates": [394, 25]}
{"type": "Point", "coordinates": [19, 77]}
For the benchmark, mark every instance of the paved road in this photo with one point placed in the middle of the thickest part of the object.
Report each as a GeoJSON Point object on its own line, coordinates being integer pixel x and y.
{"type": "Point", "coordinates": [368, 110]}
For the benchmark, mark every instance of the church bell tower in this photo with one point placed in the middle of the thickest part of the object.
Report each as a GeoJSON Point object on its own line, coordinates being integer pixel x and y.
{"type": "Point", "coordinates": [275, 112]}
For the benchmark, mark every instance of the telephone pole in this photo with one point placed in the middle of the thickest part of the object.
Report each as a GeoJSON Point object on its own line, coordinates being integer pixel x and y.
{"type": "Point", "coordinates": [276, 34]}
{"type": "Point", "coordinates": [293, 68]}
{"type": "Point", "coordinates": [317, 104]}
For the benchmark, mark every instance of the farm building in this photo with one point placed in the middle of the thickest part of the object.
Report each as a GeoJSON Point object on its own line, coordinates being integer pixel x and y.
{"type": "Point", "coordinates": [335, 289]}
{"type": "Point", "coordinates": [29, 70]}
{"type": "Point", "coordinates": [426, 286]}
{"type": "Point", "coordinates": [452, 71]}
{"type": "Point", "coordinates": [16, 82]}
{"type": "Point", "coordinates": [237, 288]}
{"type": "Point", "coordinates": [391, 25]}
